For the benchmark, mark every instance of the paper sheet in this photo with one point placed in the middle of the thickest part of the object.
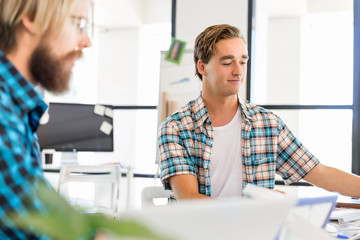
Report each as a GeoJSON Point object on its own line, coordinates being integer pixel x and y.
{"type": "Point", "coordinates": [99, 110]}
{"type": "Point", "coordinates": [106, 127]}
{"type": "Point", "coordinates": [109, 112]}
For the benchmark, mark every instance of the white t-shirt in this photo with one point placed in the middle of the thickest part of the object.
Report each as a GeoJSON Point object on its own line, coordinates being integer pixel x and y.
{"type": "Point", "coordinates": [226, 160]}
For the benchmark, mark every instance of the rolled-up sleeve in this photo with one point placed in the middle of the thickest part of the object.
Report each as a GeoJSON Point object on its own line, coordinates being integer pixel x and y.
{"type": "Point", "coordinates": [174, 157]}
{"type": "Point", "coordinates": [294, 159]}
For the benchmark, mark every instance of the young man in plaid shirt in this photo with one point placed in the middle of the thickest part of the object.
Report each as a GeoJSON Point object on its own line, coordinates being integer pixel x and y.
{"type": "Point", "coordinates": [39, 43]}
{"type": "Point", "coordinates": [217, 143]}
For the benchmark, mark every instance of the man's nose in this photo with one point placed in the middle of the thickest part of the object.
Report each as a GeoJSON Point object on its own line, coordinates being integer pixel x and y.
{"type": "Point", "coordinates": [85, 41]}
{"type": "Point", "coordinates": [238, 70]}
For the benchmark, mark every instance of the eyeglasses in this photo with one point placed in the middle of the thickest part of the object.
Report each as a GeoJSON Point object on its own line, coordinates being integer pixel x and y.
{"type": "Point", "coordinates": [81, 23]}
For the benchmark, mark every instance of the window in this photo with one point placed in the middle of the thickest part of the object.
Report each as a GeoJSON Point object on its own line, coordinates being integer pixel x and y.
{"type": "Point", "coordinates": [301, 67]}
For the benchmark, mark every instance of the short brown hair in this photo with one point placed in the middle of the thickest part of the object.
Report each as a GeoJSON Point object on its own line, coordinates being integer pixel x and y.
{"type": "Point", "coordinates": [46, 14]}
{"type": "Point", "coordinates": [204, 47]}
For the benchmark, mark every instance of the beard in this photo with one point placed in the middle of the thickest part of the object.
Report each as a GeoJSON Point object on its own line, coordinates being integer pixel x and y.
{"type": "Point", "coordinates": [52, 73]}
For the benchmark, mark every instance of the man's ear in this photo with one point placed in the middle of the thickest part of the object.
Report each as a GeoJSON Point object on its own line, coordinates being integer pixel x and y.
{"type": "Point", "coordinates": [29, 25]}
{"type": "Point", "coordinates": [201, 67]}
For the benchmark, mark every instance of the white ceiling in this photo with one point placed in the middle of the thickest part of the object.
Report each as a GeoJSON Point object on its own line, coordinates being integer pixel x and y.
{"type": "Point", "coordinates": [110, 14]}
{"type": "Point", "coordinates": [117, 13]}
{"type": "Point", "coordinates": [286, 8]}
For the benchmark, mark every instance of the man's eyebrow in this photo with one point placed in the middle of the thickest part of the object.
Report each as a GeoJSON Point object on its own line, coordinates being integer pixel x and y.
{"type": "Point", "coordinates": [245, 56]}
{"type": "Point", "coordinates": [226, 57]}
{"type": "Point", "coordinates": [79, 17]}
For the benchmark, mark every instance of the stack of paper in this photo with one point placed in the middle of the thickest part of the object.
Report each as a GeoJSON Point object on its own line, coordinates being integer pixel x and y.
{"type": "Point", "coordinates": [344, 215]}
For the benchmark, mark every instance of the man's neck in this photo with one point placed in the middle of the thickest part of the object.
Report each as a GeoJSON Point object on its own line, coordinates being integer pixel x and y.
{"type": "Point", "coordinates": [221, 109]}
{"type": "Point", "coordinates": [20, 62]}
{"type": "Point", "coordinates": [20, 56]}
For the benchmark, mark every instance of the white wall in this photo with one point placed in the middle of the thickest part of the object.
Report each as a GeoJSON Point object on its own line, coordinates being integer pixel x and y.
{"type": "Point", "coordinates": [192, 17]}
{"type": "Point", "coordinates": [156, 11]}
{"type": "Point", "coordinates": [120, 42]}
{"type": "Point", "coordinates": [111, 14]}
{"type": "Point", "coordinates": [117, 66]}
{"type": "Point", "coordinates": [128, 74]}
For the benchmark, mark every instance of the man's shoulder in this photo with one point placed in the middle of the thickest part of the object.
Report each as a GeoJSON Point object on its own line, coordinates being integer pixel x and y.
{"type": "Point", "coordinates": [260, 114]}
{"type": "Point", "coordinates": [183, 117]}
{"type": "Point", "coordinates": [6, 92]}
{"type": "Point", "coordinates": [6, 99]}
{"type": "Point", "coordinates": [10, 113]}
{"type": "Point", "coordinates": [253, 109]}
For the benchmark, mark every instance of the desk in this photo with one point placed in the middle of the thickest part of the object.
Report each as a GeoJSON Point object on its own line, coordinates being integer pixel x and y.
{"type": "Point", "coordinates": [148, 175]}
{"type": "Point", "coordinates": [348, 202]}
{"type": "Point", "coordinates": [123, 174]}
{"type": "Point", "coordinates": [145, 179]}
{"type": "Point", "coordinates": [350, 228]}
{"type": "Point", "coordinates": [346, 229]}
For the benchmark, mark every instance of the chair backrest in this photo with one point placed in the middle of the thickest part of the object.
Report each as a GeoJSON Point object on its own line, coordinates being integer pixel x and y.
{"type": "Point", "coordinates": [149, 194]}
{"type": "Point", "coordinates": [106, 176]}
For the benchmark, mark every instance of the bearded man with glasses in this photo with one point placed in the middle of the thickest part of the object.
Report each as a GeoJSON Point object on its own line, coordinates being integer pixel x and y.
{"type": "Point", "coordinates": [39, 44]}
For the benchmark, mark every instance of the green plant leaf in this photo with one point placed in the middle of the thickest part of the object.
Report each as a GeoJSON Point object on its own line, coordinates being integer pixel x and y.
{"type": "Point", "coordinates": [121, 227]}
{"type": "Point", "coordinates": [61, 221]}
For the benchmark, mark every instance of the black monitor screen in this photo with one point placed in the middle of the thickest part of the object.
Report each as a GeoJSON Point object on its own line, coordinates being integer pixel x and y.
{"type": "Point", "coordinates": [76, 127]}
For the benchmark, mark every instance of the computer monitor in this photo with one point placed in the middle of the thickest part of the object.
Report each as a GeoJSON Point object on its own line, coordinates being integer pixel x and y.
{"type": "Point", "coordinates": [76, 127]}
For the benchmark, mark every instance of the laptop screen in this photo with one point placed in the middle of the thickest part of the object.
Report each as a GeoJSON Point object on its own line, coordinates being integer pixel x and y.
{"type": "Point", "coordinates": [316, 210]}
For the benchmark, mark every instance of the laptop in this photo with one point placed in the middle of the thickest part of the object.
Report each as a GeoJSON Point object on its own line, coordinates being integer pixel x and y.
{"type": "Point", "coordinates": [313, 205]}
{"type": "Point", "coordinates": [217, 219]}
{"type": "Point", "coordinates": [308, 218]}
{"type": "Point", "coordinates": [305, 220]}
{"type": "Point", "coordinates": [316, 210]}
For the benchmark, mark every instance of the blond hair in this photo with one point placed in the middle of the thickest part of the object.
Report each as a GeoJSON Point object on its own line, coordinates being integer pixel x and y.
{"type": "Point", "coordinates": [46, 14]}
{"type": "Point", "coordinates": [204, 47]}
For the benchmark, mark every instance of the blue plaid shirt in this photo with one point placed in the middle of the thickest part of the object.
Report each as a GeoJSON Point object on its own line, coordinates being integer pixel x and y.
{"type": "Point", "coordinates": [20, 170]}
{"type": "Point", "coordinates": [268, 147]}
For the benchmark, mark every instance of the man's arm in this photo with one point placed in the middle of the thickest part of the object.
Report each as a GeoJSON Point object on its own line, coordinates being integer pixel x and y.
{"type": "Point", "coordinates": [185, 187]}
{"type": "Point", "coordinates": [20, 174]}
{"type": "Point", "coordinates": [333, 179]}
{"type": "Point", "coordinates": [177, 169]}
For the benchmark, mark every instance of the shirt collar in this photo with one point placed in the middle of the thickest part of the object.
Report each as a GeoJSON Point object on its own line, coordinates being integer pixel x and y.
{"type": "Point", "coordinates": [23, 92]}
{"type": "Point", "coordinates": [200, 111]}
{"type": "Point", "coordinates": [246, 109]}
{"type": "Point", "coordinates": [202, 116]}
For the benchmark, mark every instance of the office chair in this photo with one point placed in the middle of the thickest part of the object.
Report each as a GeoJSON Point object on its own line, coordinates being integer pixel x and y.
{"type": "Point", "coordinates": [149, 194]}
{"type": "Point", "coordinates": [105, 182]}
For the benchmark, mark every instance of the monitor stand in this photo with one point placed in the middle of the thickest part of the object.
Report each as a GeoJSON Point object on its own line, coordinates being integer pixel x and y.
{"type": "Point", "coordinates": [69, 158]}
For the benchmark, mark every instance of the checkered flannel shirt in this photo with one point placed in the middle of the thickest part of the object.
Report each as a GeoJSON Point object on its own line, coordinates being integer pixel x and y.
{"type": "Point", "coordinates": [20, 170]}
{"type": "Point", "coordinates": [268, 147]}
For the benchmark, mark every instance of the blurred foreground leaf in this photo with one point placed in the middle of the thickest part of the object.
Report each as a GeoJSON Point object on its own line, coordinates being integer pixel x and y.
{"type": "Point", "coordinates": [63, 222]}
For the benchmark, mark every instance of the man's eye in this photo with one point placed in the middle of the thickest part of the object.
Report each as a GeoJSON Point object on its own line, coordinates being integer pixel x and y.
{"type": "Point", "coordinates": [226, 64]}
